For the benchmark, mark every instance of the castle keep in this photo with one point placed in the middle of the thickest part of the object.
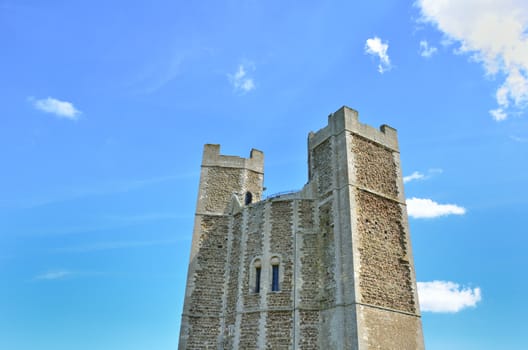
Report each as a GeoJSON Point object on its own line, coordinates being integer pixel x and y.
{"type": "Point", "coordinates": [328, 267]}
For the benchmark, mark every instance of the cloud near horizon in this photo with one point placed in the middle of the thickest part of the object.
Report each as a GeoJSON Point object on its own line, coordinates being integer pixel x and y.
{"type": "Point", "coordinates": [493, 33]}
{"type": "Point", "coordinates": [446, 296]}
{"type": "Point", "coordinates": [61, 109]}
{"type": "Point", "coordinates": [375, 47]}
{"type": "Point", "coordinates": [424, 208]}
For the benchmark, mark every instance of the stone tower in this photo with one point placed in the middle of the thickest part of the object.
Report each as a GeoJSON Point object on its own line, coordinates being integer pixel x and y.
{"type": "Point", "coordinates": [328, 267]}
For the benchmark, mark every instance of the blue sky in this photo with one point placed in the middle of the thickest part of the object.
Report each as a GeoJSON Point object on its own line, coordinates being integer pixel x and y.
{"type": "Point", "coordinates": [105, 107]}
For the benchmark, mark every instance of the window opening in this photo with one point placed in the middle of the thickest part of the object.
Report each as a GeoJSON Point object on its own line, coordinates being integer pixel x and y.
{"type": "Point", "coordinates": [275, 278]}
{"type": "Point", "coordinates": [258, 269]}
{"type": "Point", "coordinates": [249, 198]}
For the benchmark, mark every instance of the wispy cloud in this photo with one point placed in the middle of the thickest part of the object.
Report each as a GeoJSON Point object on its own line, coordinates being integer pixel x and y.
{"type": "Point", "coordinates": [445, 296]}
{"type": "Point", "coordinates": [155, 216]}
{"type": "Point", "coordinates": [426, 50]}
{"type": "Point", "coordinates": [424, 208]}
{"type": "Point", "coordinates": [61, 274]}
{"type": "Point", "coordinates": [421, 176]}
{"type": "Point", "coordinates": [414, 176]}
{"type": "Point", "coordinates": [241, 80]}
{"type": "Point", "coordinates": [493, 33]}
{"type": "Point", "coordinates": [61, 109]}
{"type": "Point", "coordinates": [53, 275]}
{"type": "Point", "coordinates": [71, 193]}
{"type": "Point", "coordinates": [375, 47]}
{"type": "Point", "coordinates": [159, 73]}
{"type": "Point", "coordinates": [107, 222]}
{"type": "Point", "coordinates": [99, 246]}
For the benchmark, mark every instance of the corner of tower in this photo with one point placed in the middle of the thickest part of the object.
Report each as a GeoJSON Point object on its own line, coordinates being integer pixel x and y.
{"type": "Point", "coordinates": [345, 118]}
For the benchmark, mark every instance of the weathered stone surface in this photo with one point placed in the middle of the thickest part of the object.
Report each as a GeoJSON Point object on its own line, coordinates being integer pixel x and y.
{"type": "Point", "coordinates": [221, 184]}
{"type": "Point", "coordinates": [323, 163]}
{"type": "Point", "coordinates": [326, 263]}
{"type": "Point", "coordinates": [207, 297]}
{"type": "Point", "coordinates": [281, 245]}
{"type": "Point", "coordinates": [375, 168]}
{"type": "Point", "coordinates": [249, 331]}
{"type": "Point", "coordinates": [279, 327]}
{"type": "Point", "coordinates": [385, 275]}
{"type": "Point", "coordinates": [390, 331]}
{"type": "Point", "coordinates": [203, 331]}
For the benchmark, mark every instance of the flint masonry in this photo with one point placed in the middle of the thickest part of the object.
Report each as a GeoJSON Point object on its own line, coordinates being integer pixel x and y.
{"type": "Point", "coordinates": [328, 267]}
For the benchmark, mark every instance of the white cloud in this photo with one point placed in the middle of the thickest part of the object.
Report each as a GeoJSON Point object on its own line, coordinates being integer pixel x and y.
{"type": "Point", "coordinates": [498, 114]}
{"type": "Point", "coordinates": [420, 176]}
{"type": "Point", "coordinates": [422, 208]}
{"type": "Point", "coordinates": [374, 46]}
{"type": "Point", "coordinates": [61, 109]}
{"type": "Point", "coordinates": [53, 275]}
{"type": "Point", "coordinates": [414, 176]}
{"type": "Point", "coordinates": [494, 33]}
{"type": "Point", "coordinates": [240, 80]}
{"type": "Point", "coordinates": [426, 50]}
{"type": "Point", "coordinates": [445, 296]}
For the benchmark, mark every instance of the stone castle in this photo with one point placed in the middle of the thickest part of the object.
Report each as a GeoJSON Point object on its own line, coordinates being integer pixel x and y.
{"type": "Point", "coordinates": [328, 267]}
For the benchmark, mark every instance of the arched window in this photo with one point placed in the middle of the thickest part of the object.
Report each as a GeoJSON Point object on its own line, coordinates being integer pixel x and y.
{"type": "Point", "coordinates": [258, 270]}
{"type": "Point", "coordinates": [275, 263]}
{"type": "Point", "coordinates": [255, 275]}
{"type": "Point", "coordinates": [249, 198]}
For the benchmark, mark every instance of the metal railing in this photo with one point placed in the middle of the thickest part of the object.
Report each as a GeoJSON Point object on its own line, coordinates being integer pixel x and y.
{"type": "Point", "coordinates": [278, 194]}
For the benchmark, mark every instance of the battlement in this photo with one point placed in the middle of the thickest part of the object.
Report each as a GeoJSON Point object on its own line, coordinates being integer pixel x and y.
{"type": "Point", "coordinates": [212, 157]}
{"type": "Point", "coordinates": [347, 119]}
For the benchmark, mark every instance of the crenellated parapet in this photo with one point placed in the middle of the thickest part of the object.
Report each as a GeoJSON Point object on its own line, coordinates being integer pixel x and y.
{"type": "Point", "coordinates": [347, 119]}
{"type": "Point", "coordinates": [212, 157]}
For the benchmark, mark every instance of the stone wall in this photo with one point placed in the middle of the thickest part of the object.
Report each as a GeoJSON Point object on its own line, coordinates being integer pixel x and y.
{"type": "Point", "coordinates": [309, 329]}
{"type": "Point", "coordinates": [281, 245]}
{"type": "Point", "coordinates": [375, 167]}
{"type": "Point", "coordinates": [327, 263]}
{"type": "Point", "coordinates": [254, 184]}
{"type": "Point", "coordinates": [391, 331]}
{"type": "Point", "coordinates": [254, 241]}
{"type": "Point", "coordinates": [309, 258]}
{"type": "Point", "coordinates": [232, 279]}
{"type": "Point", "coordinates": [309, 285]}
{"type": "Point", "coordinates": [310, 271]}
{"type": "Point", "coordinates": [322, 158]}
{"type": "Point", "coordinates": [206, 299]}
{"type": "Point", "coordinates": [385, 275]}
{"type": "Point", "coordinates": [279, 330]}
{"type": "Point", "coordinates": [249, 330]}
{"type": "Point", "coordinates": [220, 185]}
{"type": "Point", "coordinates": [385, 272]}
{"type": "Point", "coordinates": [203, 333]}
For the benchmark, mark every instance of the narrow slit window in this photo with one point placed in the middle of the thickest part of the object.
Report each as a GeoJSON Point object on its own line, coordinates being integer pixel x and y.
{"type": "Point", "coordinates": [275, 278]}
{"type": "Point", "coordinates": [258, 269]}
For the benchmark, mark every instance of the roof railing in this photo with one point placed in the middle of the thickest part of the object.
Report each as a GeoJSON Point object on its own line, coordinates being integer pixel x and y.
{"type": "Point", "coordinates": [279, 194]}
